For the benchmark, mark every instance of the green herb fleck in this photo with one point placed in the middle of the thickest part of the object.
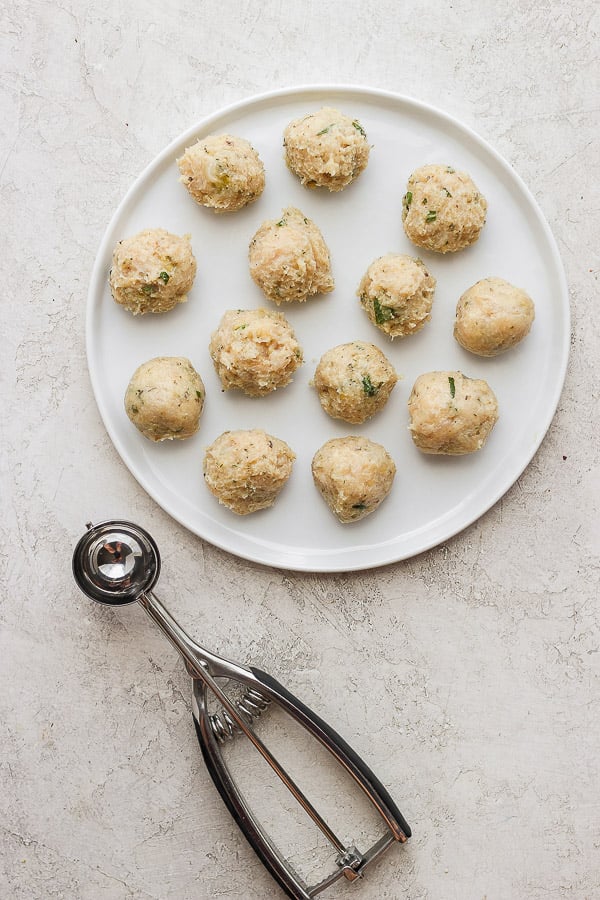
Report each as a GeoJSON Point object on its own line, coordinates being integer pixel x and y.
{"type": "Point", "coordinates": [325, 130]}
{"type": "Point", "coordinates": [149, 288]}
{"type": "Point", "coordinates": [359, 127]}
{"type": "Point", "coordinates": [407, 199]}
{"type": "Point", "coordinates": [452, 386]}
{"type": "Point", "coordinates": [431, 215]}
{"type": "Point", "coordinates": [359, 506]}
{"type": "Point", "coordinates": [164, 276]}
{"type": "Point", "coordinates": [368, 386]}
{"type": "Point", "coordinates": [450, 170]}
{"type": "Point", "coordinates": [241, 327]}
{"type": "Point", "coordinates": [448, 194]}
{"type": "Point", "coordinates": [199, 395]}
{"type": "Point", "coordinates": [382, 313]}
{"type": "Point", "coordinates": [280, 223]}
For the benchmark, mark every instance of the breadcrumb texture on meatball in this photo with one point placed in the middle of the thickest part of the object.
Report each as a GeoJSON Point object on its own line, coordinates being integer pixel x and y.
{"type": "Point", "coordinates": [222, 172]}
{"type": "Point", "coordinates": [443, 209]}
{"type": "Point", "coordinates": [246, 470]}
{"type": "Point", "coordinates": [396, 293]}
{"type": "Point", "coordinates": [165, 398]}
{"type": "Point", "coordinates": [354, 381]}
{"type": "Point", "coordinates": [326, 149]}
{"type": "Point", "coordinates": [289, 259]}
{"type": "Point", "coordinates": [152, 271]}
{"type": "Point", "coordinates": [354, 475]}
{"type": "Point", "coordinates": [451, 413]}
{"type": "Point", "coordinates": [493, 316]}
{"type": "Point", "coordinates": [255, 350]}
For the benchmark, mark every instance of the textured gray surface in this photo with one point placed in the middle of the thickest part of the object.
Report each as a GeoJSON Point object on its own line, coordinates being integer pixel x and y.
{"type": "Point", "coordinates": [469, 675]}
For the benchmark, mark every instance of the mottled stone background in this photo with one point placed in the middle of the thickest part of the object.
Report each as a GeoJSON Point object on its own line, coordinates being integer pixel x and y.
{"type": "Point", "coordinates": [469, 675]}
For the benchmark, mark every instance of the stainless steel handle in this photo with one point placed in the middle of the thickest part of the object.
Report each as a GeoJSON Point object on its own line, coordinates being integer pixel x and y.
{"type": "Point", "coordinates": [351, 863]}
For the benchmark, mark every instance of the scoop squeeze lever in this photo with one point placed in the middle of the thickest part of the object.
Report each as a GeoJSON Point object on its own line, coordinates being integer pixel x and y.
{"type": "Point", "coordinates": [118, 562]}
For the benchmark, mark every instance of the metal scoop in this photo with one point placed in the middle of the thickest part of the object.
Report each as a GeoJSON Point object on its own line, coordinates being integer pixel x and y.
{"type": "Point", "coordinates": [117, 563]}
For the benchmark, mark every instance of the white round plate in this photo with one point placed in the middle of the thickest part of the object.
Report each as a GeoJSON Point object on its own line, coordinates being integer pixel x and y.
{"type": "Point", "coordinates": [432, 498]}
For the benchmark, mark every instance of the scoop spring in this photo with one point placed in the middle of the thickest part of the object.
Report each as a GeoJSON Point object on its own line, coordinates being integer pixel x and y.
{"type": "Point", "coordinates": [251, 705]}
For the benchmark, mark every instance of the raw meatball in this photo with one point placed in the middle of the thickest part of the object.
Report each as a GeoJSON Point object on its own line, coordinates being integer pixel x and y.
{"type": "Point", "coordinates": [289, 260]}
{"type": "Point", "coordinates": [450, 413]}
{"type": "Point", "coordinates": [152, 271]}
{"type": "Point", "coordinates": [354, 475]}
{"type": "Point", "coordinates": [396, 292]}
{"type": "Point", "coordinates": [493, 316]}
{"type": "Point", "coordinates": [255, 350]}
{"type": "Point", "coordinates": [354, 381]}
{"type": "Point", "coordinates": [326, 149]}
{"type": "Point", "coordinates": [246, 470]}
{"type": "Point", "coordinates": [442, 209]}
{"type": "Point", "coordinates": [164, 398]}
{"type": "Point", "coordinates": [222, 172]}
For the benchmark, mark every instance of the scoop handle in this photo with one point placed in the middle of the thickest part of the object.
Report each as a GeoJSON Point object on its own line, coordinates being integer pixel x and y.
{"type": "Point", "coordinates": [351, 863]}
